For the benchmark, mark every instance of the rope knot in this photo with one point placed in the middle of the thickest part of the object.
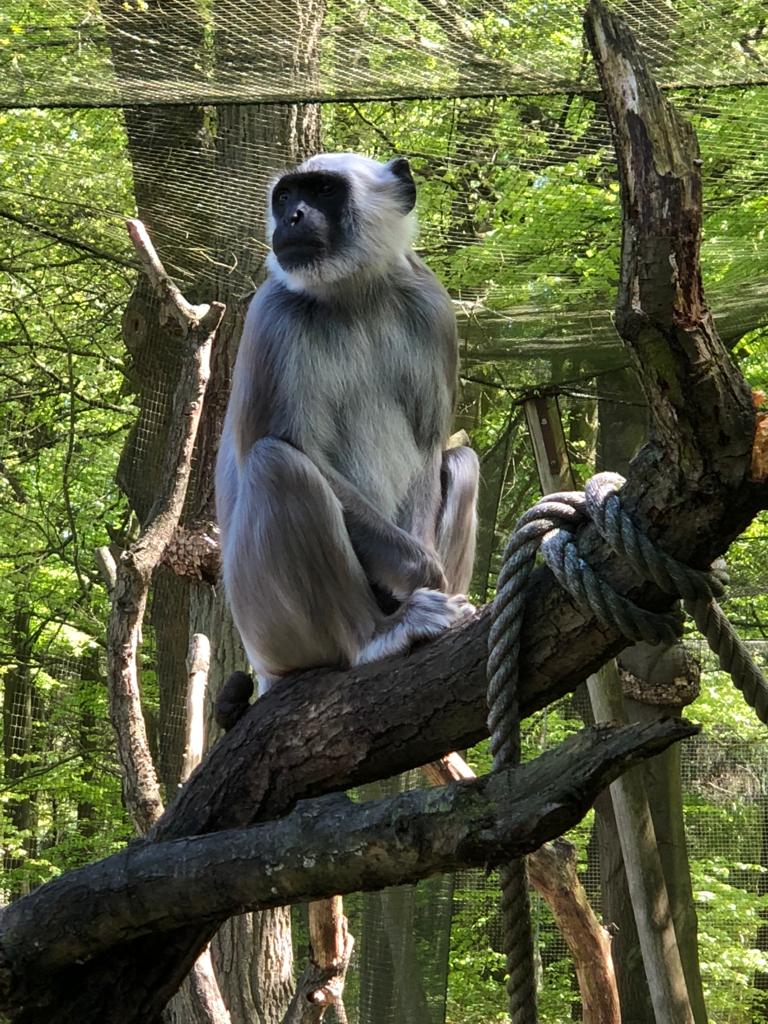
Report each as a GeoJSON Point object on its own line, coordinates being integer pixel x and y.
{"type": "Point", "coordinates": [603, 502]}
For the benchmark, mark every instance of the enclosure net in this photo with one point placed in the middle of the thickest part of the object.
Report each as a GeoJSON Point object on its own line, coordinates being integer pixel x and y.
{"type": "Point", "coordinates": [538, 286]}
{"type": "Point", "coordinates": [498, 109]}
{"type": "Point", "coordinates": [117, 53]}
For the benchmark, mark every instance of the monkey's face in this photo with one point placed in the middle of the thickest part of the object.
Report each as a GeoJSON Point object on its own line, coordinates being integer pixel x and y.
{"type": "Point", "coordinates": [311, 212]}
{"type": "Point", "coordinates": [339, 218]}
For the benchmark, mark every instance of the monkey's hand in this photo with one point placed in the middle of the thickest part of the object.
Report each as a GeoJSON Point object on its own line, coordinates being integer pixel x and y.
{"type": "Point", "coordinates": [420, 569]}
{"type": "Point", "coordinates": [391, 557]}
{"type": "Point", "coordinates": [233, 700]}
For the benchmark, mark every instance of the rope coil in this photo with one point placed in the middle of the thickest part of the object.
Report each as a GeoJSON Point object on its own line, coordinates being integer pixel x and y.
{"type": "Point", "coordinates": [550, 527]}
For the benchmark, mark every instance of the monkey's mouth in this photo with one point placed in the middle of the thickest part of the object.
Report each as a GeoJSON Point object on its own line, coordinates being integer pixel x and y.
{"type": "Point", "coordinates": [295, 258]}
{"type": "Point", "coordinates": [293, 253]}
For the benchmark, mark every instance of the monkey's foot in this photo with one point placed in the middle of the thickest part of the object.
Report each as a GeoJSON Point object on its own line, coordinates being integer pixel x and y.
{"type": "Point", "coordinates": [430, 612]}
{"type": "Point", "coordinates": [426, 614]}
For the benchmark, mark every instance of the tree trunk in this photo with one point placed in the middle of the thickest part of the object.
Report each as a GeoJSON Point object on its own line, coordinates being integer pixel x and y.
{"type": "Point", "coordinates": [194, 167]}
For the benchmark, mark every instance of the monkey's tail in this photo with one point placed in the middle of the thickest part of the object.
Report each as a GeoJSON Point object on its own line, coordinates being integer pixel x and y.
{"type": "Point", "coordinates": [457, 519]}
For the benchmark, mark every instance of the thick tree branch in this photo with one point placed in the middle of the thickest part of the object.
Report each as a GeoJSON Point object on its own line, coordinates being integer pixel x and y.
{"type": "Point", "coordinates": [661, 313]}
{"type": "Point", "coordinates": [322, 847]}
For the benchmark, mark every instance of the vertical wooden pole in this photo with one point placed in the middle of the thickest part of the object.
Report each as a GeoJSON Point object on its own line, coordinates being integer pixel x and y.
{"type": "Point", "coordinates": [645, 877]}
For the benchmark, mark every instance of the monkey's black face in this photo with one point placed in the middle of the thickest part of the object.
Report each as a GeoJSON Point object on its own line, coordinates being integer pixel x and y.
{"type": "Point", "coordinates": [309, 216]}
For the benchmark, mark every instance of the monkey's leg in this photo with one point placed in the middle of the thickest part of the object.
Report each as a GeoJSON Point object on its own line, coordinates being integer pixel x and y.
{"type": "Point", "coordinates": [299, 596]}
{"type": "Point", "coordinates": [298, 593]}
{"type": "Point", "coordinates": [397, 560]}
{"type": "Point", "coordinates": [457, 518]}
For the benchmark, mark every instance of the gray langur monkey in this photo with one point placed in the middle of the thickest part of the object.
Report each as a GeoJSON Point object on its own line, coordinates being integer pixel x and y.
{"type": "Point", "coordinates": [347, 529]}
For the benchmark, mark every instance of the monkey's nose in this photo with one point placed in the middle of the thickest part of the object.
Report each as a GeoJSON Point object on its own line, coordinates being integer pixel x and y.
{"type": "Point", "coordinates": [296, 217]}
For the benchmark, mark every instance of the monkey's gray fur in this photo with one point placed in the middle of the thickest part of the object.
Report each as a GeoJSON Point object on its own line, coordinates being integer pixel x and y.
{"type": "Point", "coordinates": [347, 531]}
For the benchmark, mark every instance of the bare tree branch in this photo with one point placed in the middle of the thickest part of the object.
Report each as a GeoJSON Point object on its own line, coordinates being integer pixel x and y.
{"type": "Point", "coordinates": [136, 565]}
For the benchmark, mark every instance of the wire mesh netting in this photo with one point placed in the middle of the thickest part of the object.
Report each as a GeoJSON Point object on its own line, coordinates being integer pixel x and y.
{"type": "Point", "coordinates": [60, 779]}
{"type": "Point", "coordinates": [516, 166]}
{"type": "Point", "coordinates": [224, 52]}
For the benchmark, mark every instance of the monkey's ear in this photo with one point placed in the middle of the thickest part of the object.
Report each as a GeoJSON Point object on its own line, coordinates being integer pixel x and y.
{"type": "Point", "coordinates": [401, 169]}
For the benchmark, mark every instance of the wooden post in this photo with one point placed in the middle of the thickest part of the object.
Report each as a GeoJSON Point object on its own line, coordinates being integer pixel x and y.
{"type": "Point", "coordinates": [648, 890]}
{"type": "Point", "coordinates": [545, 429]}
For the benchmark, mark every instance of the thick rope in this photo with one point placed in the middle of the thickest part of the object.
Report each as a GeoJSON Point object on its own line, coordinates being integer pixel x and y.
{"type": "Point", "coordinates": [550, 527]}
{"type": "Point", "coordinates": [732, 654]}
{"type": "Point", "coordinates": [504, 726]}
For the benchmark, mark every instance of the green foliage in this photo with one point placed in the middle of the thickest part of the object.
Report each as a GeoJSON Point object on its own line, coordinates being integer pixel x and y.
{"type": "Point", "coordinates": [62, 384]}
{"type": "Point", "coordinates": [729, 918]}
{"type": "Point", "coordinates": [476, 970]}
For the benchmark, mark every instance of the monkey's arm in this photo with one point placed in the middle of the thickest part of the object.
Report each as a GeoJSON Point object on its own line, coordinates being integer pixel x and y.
{"type": "Point", "coordinates": [390, 557]}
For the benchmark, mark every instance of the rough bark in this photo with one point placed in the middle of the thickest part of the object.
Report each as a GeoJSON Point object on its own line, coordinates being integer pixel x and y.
{"type": "Point", "coordinates": [399, 977]}
{"type": "Point", "coordinates": [661, 305]}
{"type": "Point", "coordinates": [322, 847]}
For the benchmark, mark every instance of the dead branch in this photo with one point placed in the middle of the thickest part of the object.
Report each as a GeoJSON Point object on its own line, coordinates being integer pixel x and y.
{"type": "Point", "coordinates": [136, 565]}
{"type": "Point", "coordinates": [322, 981]}
{"type": "Point", "coordinates": [129, 580]}
{"type": "Point", "coordinates": [552, 869]}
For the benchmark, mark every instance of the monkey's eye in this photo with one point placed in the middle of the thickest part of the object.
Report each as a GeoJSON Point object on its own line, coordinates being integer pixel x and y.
{"type": "Point", "coordinates": [282, 196]}
{"type": "Point", "coordinates": [327, 188]}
